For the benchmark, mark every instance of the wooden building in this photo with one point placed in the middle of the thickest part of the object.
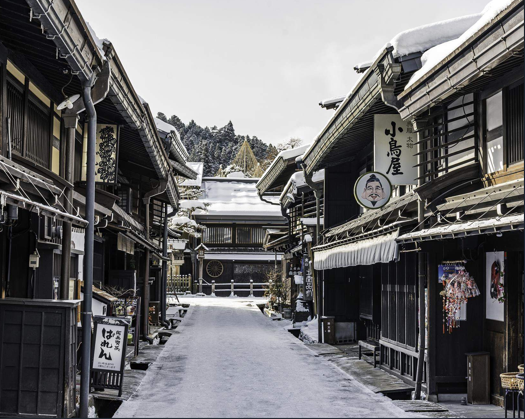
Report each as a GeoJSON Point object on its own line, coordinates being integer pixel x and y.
{"type": "Point", "coordinates": [235, 222]}
{"type": "Point", "coordinates": [463, 207]}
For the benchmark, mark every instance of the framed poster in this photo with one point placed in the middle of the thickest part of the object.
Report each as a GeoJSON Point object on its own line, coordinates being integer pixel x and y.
{"type": "Point", "coordinates": [394, 149]}
{"type": "Point", "coordinates": [106, 159]}
{"type": "Point", "coordinates": [372, 190]}
{"type": "Point", "coordinates": [495, 285]}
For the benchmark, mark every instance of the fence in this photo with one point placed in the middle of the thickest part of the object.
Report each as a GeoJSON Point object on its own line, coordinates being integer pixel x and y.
{"type": "Point", "coordinates": [179, 284]}
{"type": "Point", "coordinates": [235, 287]}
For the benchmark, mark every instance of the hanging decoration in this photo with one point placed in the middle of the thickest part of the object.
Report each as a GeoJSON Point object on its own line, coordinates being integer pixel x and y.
{"type": "Point", "coordinates": [458, 287]}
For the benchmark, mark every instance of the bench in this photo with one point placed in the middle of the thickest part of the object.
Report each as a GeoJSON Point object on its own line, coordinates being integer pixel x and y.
{"type": "Point", "coordinates": [371, 346]}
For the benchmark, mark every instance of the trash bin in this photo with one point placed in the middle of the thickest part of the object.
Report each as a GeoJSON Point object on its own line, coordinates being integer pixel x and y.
{"type": "Point", "coordinates": [328, 329]}
{"type": "Point", "coordinates": [478, 377]}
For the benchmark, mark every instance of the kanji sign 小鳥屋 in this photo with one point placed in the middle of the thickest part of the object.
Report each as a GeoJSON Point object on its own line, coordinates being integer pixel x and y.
{"type": "Point", "coordinates": [395, 149]}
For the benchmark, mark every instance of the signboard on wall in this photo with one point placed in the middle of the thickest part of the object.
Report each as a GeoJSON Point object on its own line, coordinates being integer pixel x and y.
{"type": "Point", "coordinates": [394, 149]}
{"type": "Point", "coordinates": [308, 281]}
{"type": "Point", "coordinates": [494, 285]}
{"type": "Point", "coordinates": [106, 153]}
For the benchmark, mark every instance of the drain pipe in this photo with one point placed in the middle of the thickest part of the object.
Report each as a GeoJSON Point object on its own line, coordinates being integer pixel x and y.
{"type": "Point", "coordinates": [88, 247]}
{"type": "Point", "coordinates": [163, 292]}
{"type": "Point", "coordinates": [317, 278]}
{"type": "Point", "coordinates": [421, 267]}
{"type": "Point", "coordinates": [145, 294]}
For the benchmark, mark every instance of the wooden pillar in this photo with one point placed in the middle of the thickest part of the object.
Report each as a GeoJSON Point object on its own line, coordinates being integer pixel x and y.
{"type": "Point", "coordinates": [70, 123]}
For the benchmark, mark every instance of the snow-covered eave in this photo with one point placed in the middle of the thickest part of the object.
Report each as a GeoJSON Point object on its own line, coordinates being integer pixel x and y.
{"type": "Point", "coordinates": [320, 140]}
{"type": "Point", "coordinates": [418, 97]}
{"type": "Point", "coordinates": [278, 165]}
{"type": "Point", "coordinates": [184, 170]}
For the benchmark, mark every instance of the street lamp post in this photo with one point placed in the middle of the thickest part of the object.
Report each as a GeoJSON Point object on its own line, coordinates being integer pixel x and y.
{"type": "Point", "coordinates": [201, 251]}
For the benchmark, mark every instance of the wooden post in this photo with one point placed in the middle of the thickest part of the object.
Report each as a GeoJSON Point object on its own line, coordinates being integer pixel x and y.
{"type": "Point", "coordinates": [232, 294]}
{"type": "Point", "coordinates": [213, 288]}
{"type": "Point", "coordinates": [251, 287]}
{"type": "Point", "coordinates": [200, 285]}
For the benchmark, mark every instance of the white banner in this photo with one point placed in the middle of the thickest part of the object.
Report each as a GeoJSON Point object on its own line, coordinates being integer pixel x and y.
{"type": "Point", "coordinates": [394, 149]}
{"type": "Point", "coordinates": [109, 347]}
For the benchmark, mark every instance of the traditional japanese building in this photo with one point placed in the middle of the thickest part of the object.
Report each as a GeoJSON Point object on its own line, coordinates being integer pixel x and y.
{"type": "Point", "coordinates": [235, 221]}
{"type": "Point", "coordinates": [458, 117]}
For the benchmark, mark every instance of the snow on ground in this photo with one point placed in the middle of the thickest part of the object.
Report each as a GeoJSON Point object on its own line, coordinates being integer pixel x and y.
{"type": "Point", "coordinates": [229, 360]}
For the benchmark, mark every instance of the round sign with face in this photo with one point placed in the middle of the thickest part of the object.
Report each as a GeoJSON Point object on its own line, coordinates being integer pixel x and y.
{"type": "Point", "coordinates": [372, 190]}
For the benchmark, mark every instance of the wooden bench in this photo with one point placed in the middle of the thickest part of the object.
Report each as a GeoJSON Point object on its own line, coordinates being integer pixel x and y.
{"type": "Point", "coordinates": [371, 346]}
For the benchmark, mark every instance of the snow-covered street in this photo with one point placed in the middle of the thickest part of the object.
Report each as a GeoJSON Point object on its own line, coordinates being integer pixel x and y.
{"type": "Point", "coordinates": [229, 360]}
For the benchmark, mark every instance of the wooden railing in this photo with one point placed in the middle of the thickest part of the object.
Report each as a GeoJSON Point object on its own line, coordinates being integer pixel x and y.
{"type": "Point", "coordinates": [233, 288]}
{"type": "Point", "coordinates": [178, 284]}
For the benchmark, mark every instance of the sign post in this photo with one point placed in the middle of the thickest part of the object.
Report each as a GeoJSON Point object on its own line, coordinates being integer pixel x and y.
{"type": "Point", "coordinates": [108, 352]}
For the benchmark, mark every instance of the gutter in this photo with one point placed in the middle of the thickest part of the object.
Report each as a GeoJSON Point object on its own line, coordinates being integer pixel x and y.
{"type": "Point", "coordinates": [80, 58]}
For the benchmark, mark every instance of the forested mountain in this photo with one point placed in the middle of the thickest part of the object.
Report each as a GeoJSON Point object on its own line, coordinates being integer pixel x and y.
{"type": "Point", "coordinates": [217, 146]}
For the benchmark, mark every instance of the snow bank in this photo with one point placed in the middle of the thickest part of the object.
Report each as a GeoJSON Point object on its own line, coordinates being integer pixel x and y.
{"type": "Point", "coordinates": [440, 51]}
{"type": "Point", "coordinates": [309, 331]}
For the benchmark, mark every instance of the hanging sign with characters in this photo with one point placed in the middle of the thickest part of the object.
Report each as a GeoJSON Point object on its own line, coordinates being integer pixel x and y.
{"type": "Point", "coordinates": [107, 153]}
{"type": "Point", "coordinates": [372, 190]}
{"type": "Point", "coordinates": [394, 149]}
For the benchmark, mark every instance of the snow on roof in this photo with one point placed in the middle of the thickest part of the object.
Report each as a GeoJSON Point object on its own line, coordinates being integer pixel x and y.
{"type": "Point", "coordinates": [427, 36]}
{"type": "Point", "coordinates": [234, 198]}
{"type": "Point", "coordinates": [191, 203]}
{"type": "Point", "coordinates": [196, 167]}
{"type": "Point", "coordinates": [286, 155]}
{"type": "Point", "coordinates": [297, 180]}
{"type": "Point", "coordinates": [293, 152]}
{"type": "Point", "coordinates": [164, 126]}
{"type": "Point", "coordinates": [182, 221]}
{"type": "Point", "coordinates": [99, 42]}
{"type": "Point", "coordinates": [440, 51]}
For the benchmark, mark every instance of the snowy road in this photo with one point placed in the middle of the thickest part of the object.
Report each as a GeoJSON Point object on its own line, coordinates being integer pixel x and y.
{"type": "Point", "coordinates": [229, 360]}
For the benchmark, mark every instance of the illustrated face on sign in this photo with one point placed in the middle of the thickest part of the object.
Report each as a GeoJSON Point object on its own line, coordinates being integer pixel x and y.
{"type": "Point", "coordinates": [373, 191]}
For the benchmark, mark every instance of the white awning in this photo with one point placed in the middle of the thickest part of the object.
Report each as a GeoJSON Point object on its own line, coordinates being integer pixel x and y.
{"type": "Point", "coordinates": [270, 257]}
{"type": "Point", "coordinates": [381, 249]}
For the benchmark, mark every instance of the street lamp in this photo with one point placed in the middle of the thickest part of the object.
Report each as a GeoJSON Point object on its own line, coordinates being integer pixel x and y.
{"type": "Point", "coordinates": [201, 251]}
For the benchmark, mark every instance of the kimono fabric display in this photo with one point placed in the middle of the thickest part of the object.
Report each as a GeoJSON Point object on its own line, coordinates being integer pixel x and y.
{"type": "Point", "coordinates": [458, 287]}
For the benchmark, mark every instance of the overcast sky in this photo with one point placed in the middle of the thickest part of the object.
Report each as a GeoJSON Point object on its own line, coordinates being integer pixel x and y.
{"type": "Point", "coordinates": [263, 64]}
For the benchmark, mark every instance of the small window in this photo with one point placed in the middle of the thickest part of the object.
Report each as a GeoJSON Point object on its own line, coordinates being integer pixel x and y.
{"type": "Point", "coordinates": [250, 235]}
{"type": "Point", "coordinates": [218, 235]}
{"type": "Point", "coordinates": [494, 132]}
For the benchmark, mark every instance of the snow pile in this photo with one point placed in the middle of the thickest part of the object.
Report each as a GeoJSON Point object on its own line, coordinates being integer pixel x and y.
{"type": "Point", "coordinates": [439, 52]}
{"type": "Point", "coordinates": [309, 332]}
{"type": "Point", "coordinates": [427, 36]}
{"type": "Point", "coordinates": [191, 204]}
{"type": "Point", "coordinates": [182, 221]}
{"type": "Point", "coordinates": [236, 175]}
